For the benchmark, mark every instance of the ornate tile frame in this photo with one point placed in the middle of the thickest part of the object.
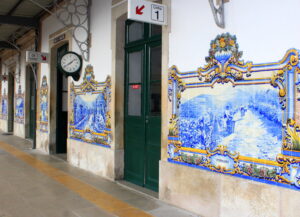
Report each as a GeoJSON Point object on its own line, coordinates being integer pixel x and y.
{"type": "Point", "coordinates": [19, 96]}
{"type": "Point", "coordinates": [44, 106]}
{"type": "Point", "coordinates": [224, 66]}
{"type": "Point", "coordinates": [4, 99]}
{"type": "Point", "coordinates": [90, 86]}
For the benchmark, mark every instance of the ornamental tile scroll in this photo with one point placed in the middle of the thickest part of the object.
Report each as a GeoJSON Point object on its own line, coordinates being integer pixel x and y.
{"type": "Point", "coordinates": [4, 105]}
{"type": "Point", "coordinates": [237, 118]}
{"type": "Point", "coordinates": [19, 106]}
{"type": "Point", "coordinates": [44, 113]}
{"type": "Point", "coordinates": [90, 119]}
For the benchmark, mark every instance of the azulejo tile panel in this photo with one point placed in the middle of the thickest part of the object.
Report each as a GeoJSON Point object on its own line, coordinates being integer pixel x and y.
{"type": "Point", "coordinates": [90, 119]}
{"type": "Point", "coordinates": [19, 106]}
{"type": "Point", "coordinates": [237, 118]}
{"type": "Point", "coordinates": [4, 106]}
{"type": "Point", "coordinates": [44, 112]}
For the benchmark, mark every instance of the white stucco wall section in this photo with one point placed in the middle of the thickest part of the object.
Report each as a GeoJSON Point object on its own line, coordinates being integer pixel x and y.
{"type": "Point", "coordinates": [94, 158]}
{"type": "Point", "coordinates": [265, 30]}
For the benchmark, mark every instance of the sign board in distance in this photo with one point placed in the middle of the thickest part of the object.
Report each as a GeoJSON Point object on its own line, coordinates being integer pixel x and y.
{"type": "Point", "coordinates": [148, 12]}
{"type": "Point", "coordinates": [37, 57]}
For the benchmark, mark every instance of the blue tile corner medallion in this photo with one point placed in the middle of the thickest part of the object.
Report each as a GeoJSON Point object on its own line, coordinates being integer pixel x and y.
{"type": "Point", "coordinates": [44, 113]}
{"type": "Point", "coordinates": [236, 117]}
{"type": "Point", "coordinates": [19, 106]}
{"type": "Point", "coordinates": [90, 119]}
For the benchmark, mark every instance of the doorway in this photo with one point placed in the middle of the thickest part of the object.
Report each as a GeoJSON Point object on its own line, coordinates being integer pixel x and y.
{"type": "Point", "coordinates": [31, 87]}
{"type": "Point", "coordinates": [11, 102]}
{"type": "Point", "coordinates": [61, 105]}
{"type": "Point", "coordinates": [142, 104]}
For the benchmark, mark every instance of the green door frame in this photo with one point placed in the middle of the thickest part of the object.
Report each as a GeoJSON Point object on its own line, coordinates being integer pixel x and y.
{"type": "Point", "coordinates": [142, 133]}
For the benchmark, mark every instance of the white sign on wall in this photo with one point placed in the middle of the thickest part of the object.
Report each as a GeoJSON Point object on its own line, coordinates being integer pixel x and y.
{"type": "Point", "coordinates": [37, 57]}
{"type": "Point", "coordinates": [148, 12]}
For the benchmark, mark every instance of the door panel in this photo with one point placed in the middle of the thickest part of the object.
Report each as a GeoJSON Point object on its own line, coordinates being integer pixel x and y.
{"type": "Point", "coordinates": [32, 114]}
{"type": "Point", "coordinates": [142, 106]}
{"type": "Point", "coordinates": [153, 116]}
{"type": "Point", "coordinates": [134, 119]}
{"type": "Point", "coordinates": [11, 102]}
{"type": "Point", "coordinates": [62, 102]}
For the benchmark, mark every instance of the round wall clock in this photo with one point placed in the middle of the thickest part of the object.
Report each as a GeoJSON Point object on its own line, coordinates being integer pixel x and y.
{"type": "Point", "coordinates": [70, 64]}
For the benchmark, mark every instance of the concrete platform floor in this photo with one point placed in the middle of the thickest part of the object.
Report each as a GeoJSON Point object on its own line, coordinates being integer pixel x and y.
{"type": "Point", "coordinates": [33, 184]}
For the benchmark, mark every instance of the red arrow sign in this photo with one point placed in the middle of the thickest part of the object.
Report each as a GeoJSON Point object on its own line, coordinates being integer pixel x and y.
{"type": "Point", "coordinates": [44, 58]}
{"type": "Point", "coordinates": [138, 10]}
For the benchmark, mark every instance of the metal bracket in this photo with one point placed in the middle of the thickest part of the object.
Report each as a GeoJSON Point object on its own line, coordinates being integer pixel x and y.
{"type": "Point", "coordinates": [77, 14]}
{"type": "Point", "coordinates": [218, 13]}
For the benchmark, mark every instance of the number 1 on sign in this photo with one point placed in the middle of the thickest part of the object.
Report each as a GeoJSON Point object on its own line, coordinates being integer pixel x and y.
{"type": "Point", "coordinates": [157, 15]}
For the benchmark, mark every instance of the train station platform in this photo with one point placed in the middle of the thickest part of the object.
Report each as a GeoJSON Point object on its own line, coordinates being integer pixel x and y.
{"type": "Point", "coordinates": [33, 184]}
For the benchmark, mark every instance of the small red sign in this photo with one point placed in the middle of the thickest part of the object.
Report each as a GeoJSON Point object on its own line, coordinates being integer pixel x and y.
{"type": "Point", "coordinates": [135, 86]}
{"type": "Point", "coordinates": [44, 58]}
{"type": "Point", "coordinates": [139, 10]}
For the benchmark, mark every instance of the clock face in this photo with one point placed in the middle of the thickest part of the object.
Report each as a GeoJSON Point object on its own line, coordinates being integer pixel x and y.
{"type": "Point", "coordinates": [70, 62]}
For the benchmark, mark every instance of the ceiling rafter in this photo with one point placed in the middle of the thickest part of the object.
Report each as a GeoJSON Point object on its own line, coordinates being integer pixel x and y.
{"type": "Point", "coordinates": [15, 7]}
{"type": "Point", "coordinates": [6, 45]}
{"type": "Point", "coordinates": [20, 21]}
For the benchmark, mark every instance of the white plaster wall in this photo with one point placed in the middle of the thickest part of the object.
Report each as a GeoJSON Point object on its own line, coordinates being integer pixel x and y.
{"type": "Point", "coordinates": [265, 30]}
{"type": "Point", "coordinates": [90, 157]}
{"type": "Point", "coordinates": [100, 28]}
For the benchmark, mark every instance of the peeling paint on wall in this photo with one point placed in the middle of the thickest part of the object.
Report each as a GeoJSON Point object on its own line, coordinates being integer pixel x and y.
{"type": "Point", "coordinates": [237, 118]}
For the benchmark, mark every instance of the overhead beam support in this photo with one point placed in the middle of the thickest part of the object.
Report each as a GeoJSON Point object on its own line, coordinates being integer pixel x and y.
{"type": "Point", "coordinates": [14, 8]}
{"type": "Point", "coordinates": [20, 21]}
{"type": "Point", "coordinates": [6, 45]}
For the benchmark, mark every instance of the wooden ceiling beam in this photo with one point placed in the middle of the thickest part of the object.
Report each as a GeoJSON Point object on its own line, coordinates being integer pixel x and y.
{"type": "Point", "coordinates": [6, 45]}
{"type": "Point", "coordinates": [20, 21]}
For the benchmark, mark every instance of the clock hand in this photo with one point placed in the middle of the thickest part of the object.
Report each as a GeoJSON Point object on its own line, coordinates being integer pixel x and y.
{"type": "Point", "coordinates": [69, 63]}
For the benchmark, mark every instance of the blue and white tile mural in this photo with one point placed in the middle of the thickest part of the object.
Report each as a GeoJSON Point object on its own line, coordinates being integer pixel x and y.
{"type": "Point", "coordinates": [19, 106]}
{"type": "Point", "coordinates": [90, 115]}
{"type": "Point", "coordinates": [4, 106]}
{"type": "Point", "coordinates": [44, 117]}
{"type": "Point", "coordinates": [237, 118]}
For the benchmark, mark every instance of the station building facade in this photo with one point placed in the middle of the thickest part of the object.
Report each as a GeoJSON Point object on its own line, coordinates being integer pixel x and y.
{"type": "Point", "coordinates": [206, 116]}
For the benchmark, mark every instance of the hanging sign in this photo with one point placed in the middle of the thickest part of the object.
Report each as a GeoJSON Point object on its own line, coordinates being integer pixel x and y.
{"type": "Point", "coordinates": [37, 57]}
{"type": "Point", "coordinates": [59, 38]}
{"type": "Point", "coordinates": [148, 12]}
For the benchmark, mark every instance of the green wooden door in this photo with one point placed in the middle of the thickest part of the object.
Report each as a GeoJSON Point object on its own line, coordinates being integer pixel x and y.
{"type": "Point", "coordinates": [61, 106]}
{"type": "Point", "coordinates": [142, 104]}
{"type": "Point", "coordinates": [32, 113]}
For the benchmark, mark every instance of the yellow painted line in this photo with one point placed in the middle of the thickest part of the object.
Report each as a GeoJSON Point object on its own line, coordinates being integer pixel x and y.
{"type": "Point", "coordinates": [101, 199]}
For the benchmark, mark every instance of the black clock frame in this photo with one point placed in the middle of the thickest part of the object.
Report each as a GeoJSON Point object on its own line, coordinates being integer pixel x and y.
{"type": "Point", "coordinates": [75, 75]}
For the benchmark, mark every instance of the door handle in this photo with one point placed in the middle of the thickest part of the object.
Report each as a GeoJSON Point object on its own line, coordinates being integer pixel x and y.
{"type": "Point", "coordinates": [147, 120]}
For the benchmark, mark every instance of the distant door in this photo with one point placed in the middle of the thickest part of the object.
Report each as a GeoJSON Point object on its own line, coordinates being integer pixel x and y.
{"type": "Point", "coordinates": [142, 103]}
{"type": "Point", "coordinates": [32, 113]}
{"type": "Point", "coordinates": [11, 102]}
{"type": "Point", "coordinates": [61, 106]}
